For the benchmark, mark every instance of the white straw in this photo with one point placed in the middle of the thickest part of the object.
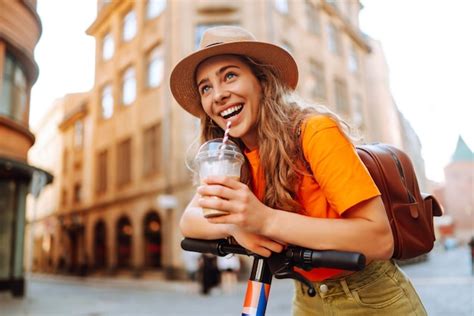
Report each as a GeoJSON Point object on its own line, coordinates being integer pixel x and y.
{"type": "Point", "coordinates": [226, 133]}
{"type": "Point", "coordinates": [225, 139]}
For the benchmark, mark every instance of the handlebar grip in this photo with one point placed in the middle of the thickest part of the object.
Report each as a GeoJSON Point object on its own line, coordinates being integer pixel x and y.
{"type": "Point", "coordinates": [345, 260]}
{"type": "Point", "coordinates": [203, 246]}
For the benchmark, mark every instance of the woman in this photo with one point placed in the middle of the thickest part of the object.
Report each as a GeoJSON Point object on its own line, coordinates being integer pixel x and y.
{"type": "Point", "coordinates": [303, 183]}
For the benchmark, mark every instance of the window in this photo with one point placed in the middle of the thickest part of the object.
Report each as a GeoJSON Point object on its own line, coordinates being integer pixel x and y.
{"type": "Point", "coordinates": [107, 102]}
{"type": "Point", "coordinates": [353, 61]}
{"type": "Point", "coordinates": [342, 103]}
{"type": "Point", "coordinates": [334, 40]}
{"type": "Point", "coordinates": [201, 28]}
{"type": "Point", "coordinates": [151, 150]}
{"type": "Point", "coordinates": [155, 69]}
{"type": "Point", "coordinates": [78, 133]}
{"type": "Point", "coordinates": [129, 87]}
{"type": "Point", "coordinates": [312, 18]}
{"type": "Point", "coordinates": [281, 6]}
{"type": "Point", "coordinates": [129, 26]}
{"type": "Point", "coordinates": [154, 8]}
{"type": "Point", "coordinates": [124, 162]}
{"type": "Point", "coordinates": [77, 193]}
{"type": "Point", "coordinates": [101, 172]}
{"type": "Point", "coordinates": [332, 3]}
{"type": "Point", "coordinates": [357, 114]}
{"type": "Point", "coordinates": [317, 81]}
{"type": "Point", "coordinates": [108, 46]}
{"type": "Point", "coordinates": [14, 94]}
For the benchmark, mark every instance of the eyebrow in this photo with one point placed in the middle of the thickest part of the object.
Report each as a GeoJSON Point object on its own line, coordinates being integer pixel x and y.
{"type": "Point", "coordinates": [218, 72]}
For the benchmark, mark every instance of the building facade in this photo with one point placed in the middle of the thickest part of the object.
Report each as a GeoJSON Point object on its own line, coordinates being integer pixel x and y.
{"type": "Point", "coordinates": [124, 189]}
{"type": "Point", "coordinates": [20, 29]}
{"type": "Point", "coordinates": [458, 190]}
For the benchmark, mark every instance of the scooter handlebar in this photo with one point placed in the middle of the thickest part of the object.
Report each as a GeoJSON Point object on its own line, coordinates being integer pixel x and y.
{"type": "Point", "coordinates": [300, 257]}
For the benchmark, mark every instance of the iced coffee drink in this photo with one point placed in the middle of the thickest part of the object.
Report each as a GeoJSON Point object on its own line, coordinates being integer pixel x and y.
{"type": "Point", "coordinates": [218, 158]}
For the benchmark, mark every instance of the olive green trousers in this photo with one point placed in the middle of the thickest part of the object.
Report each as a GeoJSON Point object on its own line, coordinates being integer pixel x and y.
{"type": "Point", "coordinates": [380, 289]}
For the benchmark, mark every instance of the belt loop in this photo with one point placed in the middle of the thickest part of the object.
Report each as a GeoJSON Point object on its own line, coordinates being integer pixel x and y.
{"type": "Point", "coordinates": [345, 287]}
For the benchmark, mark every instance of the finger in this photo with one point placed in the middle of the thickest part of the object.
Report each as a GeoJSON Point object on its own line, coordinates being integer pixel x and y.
{"type": "Point", "coordinates": [214, 202]}
{"type": "Point", "coordinates": [224, 180]}
{"type": "Point", "coordinates": [262, 251]}
{"type": "Point", "coordinates": [273, 246]}
{"type": "Point", "coordinates": [216, 190]}
{"type": "Point", "coordinates": [224, 219]}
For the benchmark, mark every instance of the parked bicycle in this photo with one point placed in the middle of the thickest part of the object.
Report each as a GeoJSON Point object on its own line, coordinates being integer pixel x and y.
{"type": "Point", "coordinates": [278, 265]}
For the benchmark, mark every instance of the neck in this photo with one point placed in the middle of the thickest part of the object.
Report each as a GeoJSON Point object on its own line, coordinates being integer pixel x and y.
{"type": "Point", "coordinates": [250, 142]}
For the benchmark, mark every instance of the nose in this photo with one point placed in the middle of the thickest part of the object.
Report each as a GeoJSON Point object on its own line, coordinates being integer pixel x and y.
{"type": "Point", "coordinates": [220, 94]}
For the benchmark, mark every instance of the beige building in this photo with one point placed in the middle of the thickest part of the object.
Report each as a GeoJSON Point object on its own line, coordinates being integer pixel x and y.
{"type": "Point", "coordinates": [20, 29]}
{"type": "Point", "coordinates": [61, 147]}
{"type": "Point", "coordinates": [383, 113]}
{"type": "Point", "coordinates": [125, 186]}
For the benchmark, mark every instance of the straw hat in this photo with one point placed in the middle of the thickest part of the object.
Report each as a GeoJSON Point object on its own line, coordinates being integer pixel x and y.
{"type": "Point", "coordinates": [222, 40]}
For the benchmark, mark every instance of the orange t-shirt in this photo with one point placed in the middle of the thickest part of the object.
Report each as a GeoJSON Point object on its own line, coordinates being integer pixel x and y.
{"type": "Point", "coordinates": [340, 178]}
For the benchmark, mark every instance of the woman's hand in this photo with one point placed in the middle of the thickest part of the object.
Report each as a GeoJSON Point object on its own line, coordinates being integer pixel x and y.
{"type": "Point", "coordinates": [258, 244]}
{"type": "Point", "coordinates": [234, 197]}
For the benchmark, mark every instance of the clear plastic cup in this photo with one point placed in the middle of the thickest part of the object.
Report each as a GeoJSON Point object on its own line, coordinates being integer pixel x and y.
{"type": "Point", "coordinates": [216, 158]}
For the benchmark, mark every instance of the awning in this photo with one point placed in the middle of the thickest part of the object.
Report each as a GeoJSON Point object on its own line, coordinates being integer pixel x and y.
{"type": "Point", "coordinates": [12, 168]}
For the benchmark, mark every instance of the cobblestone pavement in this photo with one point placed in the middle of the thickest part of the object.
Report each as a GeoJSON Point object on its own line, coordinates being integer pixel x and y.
{"type": "Point", "coordinates": [444, 283]}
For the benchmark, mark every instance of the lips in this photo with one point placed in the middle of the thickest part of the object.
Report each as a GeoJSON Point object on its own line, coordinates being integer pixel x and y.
{"type": "Point", "coordinates": [232, 111]}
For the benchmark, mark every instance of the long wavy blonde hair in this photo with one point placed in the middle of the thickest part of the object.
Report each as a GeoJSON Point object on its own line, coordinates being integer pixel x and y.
{"type": "Point", "coordinates": [280, 116]}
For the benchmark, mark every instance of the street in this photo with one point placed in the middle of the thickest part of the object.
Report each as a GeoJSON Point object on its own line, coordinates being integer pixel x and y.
{"type": "Point", "coordinates": [444, 283]}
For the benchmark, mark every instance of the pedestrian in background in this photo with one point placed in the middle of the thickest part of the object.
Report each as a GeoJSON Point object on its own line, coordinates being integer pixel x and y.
{"type": "Point", "coordinates": [471, 247]}
{"type": "Point", "coordinates": [303, 182]}
{"type": "Point", "coordinates": [209, 273]}
{"type": "Point", "coordinates": [228, 267]}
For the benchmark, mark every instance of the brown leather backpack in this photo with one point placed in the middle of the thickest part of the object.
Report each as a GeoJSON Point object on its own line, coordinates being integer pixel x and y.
{"type": "Point", "coordinates": [410, 212]}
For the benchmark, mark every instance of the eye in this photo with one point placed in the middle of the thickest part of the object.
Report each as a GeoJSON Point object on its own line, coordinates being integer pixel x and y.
{"type": "Point", "coordinates": [230, 75]}
{"type": "Point", "coordinates": [204, 89]}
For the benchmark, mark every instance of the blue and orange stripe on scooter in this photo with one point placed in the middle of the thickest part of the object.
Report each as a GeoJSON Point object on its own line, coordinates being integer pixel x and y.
{"type": "Point", "coordinates": [256, 298]}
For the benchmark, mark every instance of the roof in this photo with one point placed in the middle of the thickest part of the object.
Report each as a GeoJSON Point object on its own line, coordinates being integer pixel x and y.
{"type": "Point", "coordinates": [462, 152]}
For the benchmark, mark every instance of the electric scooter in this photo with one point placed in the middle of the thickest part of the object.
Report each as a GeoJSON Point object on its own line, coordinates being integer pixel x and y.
{"type": "Point", "coordinates": [278, 265]}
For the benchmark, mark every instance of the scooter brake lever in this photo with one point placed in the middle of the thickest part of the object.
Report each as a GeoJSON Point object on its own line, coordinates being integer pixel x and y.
{"type": "Point", "coordinates": [281, 268]}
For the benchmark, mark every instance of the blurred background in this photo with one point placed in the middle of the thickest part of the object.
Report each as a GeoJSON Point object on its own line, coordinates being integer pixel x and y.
{"type": "Point", "coordinates": [93, 146]}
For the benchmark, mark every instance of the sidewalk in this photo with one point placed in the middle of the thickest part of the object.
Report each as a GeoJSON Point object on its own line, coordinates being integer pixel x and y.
{"type": "Point", "coordinates": [152, 283]}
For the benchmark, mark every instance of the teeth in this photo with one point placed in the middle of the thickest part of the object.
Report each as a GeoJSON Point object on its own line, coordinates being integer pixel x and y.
{"type": "Point", "coordinates": [231, 110]}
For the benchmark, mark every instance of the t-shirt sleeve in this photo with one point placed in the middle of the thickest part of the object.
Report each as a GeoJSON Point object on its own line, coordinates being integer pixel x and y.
{"type": "Point", "coordinates": [343, 178]}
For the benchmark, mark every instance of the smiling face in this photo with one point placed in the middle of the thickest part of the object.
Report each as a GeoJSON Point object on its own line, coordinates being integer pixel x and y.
{"type": "Point", "coordinates": [230, 91]}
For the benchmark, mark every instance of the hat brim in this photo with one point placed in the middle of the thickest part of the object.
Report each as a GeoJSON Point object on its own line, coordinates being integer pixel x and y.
{"type": "Point", "coordinates": [182, 81]}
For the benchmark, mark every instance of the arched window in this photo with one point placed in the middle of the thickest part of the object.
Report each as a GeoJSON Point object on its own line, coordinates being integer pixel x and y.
{"type": "Point", "coordinates": [107, 102]}
{"type": "Point", "coordinates": [153, 249]}
{"type": "Point", "coordinates": [154, 8]}
{"type": "Point", "coordinates": [108, 46]}
{"type": "Point", "coordinates": [100, 245]}
{"type": "Point", "coordinates": [155, 68]}
{"type": "Point", "coordinates": [129, 26]}
{"type": "Point", "coordinates": [129, 86]}
{"type": "Point", "coordinates": [124, 242]}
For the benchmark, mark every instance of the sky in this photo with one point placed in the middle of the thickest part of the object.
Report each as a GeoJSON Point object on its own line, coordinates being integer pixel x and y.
{"type": "Point", "coordinates": [427, 43]}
